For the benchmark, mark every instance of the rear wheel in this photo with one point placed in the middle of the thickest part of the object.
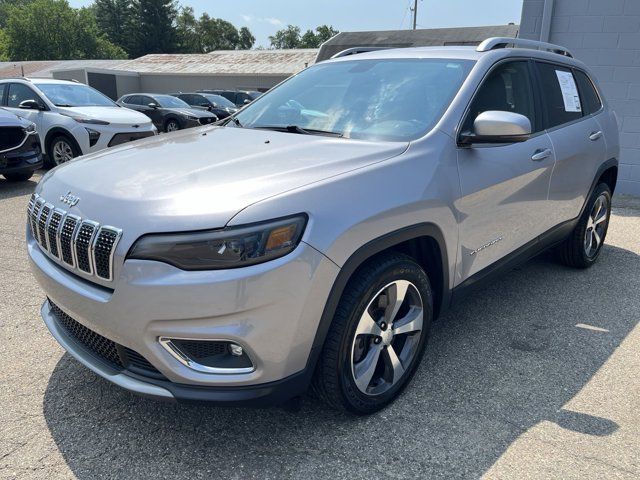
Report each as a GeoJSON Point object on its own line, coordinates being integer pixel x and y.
{"type": "Point", "coordinates": [377, 337]}
{"type": "Point", "coordinates": [18, 177]}
{"type": "Point", "coordinates": [582, 248]}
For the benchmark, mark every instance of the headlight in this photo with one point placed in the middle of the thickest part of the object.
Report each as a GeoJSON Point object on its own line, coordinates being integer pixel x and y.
{"type": "Point", "coordinates": [195, 119]}
{"type": "Point", "coordinates": [93, 136]}
{"type": "Point", "coordinates": [222, 249]}
{"type": "Point", "coordinates": [89, 121]}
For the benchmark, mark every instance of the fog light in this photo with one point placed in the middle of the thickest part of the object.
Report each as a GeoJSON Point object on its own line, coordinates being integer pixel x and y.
{"type": "Point", "coordinates": [235, 349]}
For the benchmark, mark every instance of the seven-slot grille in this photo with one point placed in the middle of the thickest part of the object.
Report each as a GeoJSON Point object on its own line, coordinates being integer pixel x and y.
{"type": "Point", "coordinates": [79, 243]}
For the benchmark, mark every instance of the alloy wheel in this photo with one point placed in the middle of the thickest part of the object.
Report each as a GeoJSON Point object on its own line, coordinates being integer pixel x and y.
{"type": "Point", "coordinates": [172, 126]}
{"type": "Point", "coordinates": [596, 226]}
{"type": "Point", "coordinates": [62, 152]}
{"type": "Point", "coordinates": [387, 337]}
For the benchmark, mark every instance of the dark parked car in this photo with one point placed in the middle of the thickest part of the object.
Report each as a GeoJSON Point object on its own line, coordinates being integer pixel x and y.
{"type": "Point", "coordinates": [167, 112]}
{"type": "Point", "coordinates": [216, 104]}
{"type": "Point", "coordinates": [20, 152]}
{"type": "Point", "coordinates": [239, 98]}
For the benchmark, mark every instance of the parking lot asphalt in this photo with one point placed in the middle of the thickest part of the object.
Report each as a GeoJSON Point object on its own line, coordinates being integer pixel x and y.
{"type": "Point", "coordinates": [536, 376]}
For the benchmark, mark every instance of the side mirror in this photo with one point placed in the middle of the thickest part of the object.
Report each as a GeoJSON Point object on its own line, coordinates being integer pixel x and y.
{"type": "Point", "coordinates": [214, 105]}
{"type": "Point", "coordinates": [246, 101]}
{"type": "Point", "coordinates": [30, 105]}
{"type": "Point", "coordinates": [496, 126]}
{"type": "Point", "coordinates": [153, 105]}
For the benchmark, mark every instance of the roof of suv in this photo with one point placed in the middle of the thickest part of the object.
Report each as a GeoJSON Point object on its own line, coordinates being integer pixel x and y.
{"type": "Point", "coordinates": [38, 81]}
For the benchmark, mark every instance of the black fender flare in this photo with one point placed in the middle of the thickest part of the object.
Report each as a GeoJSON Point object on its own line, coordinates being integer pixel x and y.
{"type": "Point", "coordinates": [358, 258]}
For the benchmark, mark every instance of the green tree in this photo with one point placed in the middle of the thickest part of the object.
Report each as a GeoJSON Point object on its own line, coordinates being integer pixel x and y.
{"type": "Point", "coordinates": [114, 19]}
{"type": "Point", "coordinates": [247, 40]}
{"type": "Point", "coordinates": [155, 27]}
{"type": "Point", "coordinates": [187, 31]}
{"type": "Point", "coordinates": [4, 46]}
{"type": "Point", "coordinates": [4, 9]}
{"type": "Point", "coordinates": [290, 37]}
{"type": "Point", "coordinates": [52, 30]}
{"type": "Point", "coordinates": [217, 34]}
{"type": "Point", "coordinates": [286, 38]}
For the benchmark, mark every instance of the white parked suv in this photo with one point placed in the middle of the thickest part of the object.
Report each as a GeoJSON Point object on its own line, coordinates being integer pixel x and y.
{"type": "Point", "coordinates": [72, 119]}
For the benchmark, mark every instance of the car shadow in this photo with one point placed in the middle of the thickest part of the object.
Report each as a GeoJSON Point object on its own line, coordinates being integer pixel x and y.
{"type": "Point", "coordinates": [17, 189]}
{"type": "Point", "coordinates": [509, 357]}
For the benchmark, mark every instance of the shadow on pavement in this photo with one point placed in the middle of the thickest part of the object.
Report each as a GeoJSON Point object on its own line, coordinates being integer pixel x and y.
{"type": "Point", "coordinates": [17, 189]}
{"type": "Point", "coordinates": [509, 357]}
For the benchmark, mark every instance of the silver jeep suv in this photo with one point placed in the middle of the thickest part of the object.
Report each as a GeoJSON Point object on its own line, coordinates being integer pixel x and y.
{"type": "Point", "coordinates": [313, 238]}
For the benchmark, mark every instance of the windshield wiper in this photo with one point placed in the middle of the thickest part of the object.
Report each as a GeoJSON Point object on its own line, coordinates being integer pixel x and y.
{"type": "Point", "coordinates": [300, 130]}
{"type": "Point", "coordinates": [235, 121]}
{"type": "Point", "coordinates": [63, 105]}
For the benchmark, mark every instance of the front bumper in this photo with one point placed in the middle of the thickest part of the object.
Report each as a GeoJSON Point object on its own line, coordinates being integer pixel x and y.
{"type": "Point", "coordinates": [272, 310]}
{"type": "Point", "coordinates": [24, 159]}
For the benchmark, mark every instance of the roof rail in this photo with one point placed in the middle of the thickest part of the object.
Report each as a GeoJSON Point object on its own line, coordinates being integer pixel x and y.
{"type": "Point", "coordinates": [356, 50]}
{"type": "Point", "coordinates": [504, 42]}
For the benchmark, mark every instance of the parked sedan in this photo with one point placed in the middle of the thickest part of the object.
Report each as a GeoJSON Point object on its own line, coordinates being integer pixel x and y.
{"type": "Point", "coordinates": [239, 98]}
{"type": "Point", "coordinates": [216, 104]}
{"type": "Point", "coordinates": [20, 152]}
{"type": "Point", "coordinates": [167, 112]}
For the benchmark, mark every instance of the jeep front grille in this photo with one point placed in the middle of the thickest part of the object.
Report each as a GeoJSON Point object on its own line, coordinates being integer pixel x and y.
{"type": "Point", "coordinates": [80, 244]}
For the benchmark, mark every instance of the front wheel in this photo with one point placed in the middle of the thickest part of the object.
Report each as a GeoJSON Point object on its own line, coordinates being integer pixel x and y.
{"type": "Point", "coordinates": [582, 248]}
{"type": "Point", "coordinates": [377, 337]}
{"type": "Point", "coordinates": [171, 126]}
{"type": "Point", "coordinates": [62, 150]}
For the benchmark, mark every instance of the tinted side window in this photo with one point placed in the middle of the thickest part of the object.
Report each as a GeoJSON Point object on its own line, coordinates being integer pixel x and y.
{"type": "Point", "coordinates": [18, 93]}
{"type": "Point", "coordinates": [231, 96]}
{"type": "Point", "coordinates": [2, 89]}
{"type": "Point", "coordinates": [507, 88]}
{"type": "Point", "coordinates": [590, 100]}
{"type": "Point", "coordinates": [132, 100]}
{"type": "Point", "coordinates": [559, 94]}
{"type": "Point", "coordinates": [146, 100]}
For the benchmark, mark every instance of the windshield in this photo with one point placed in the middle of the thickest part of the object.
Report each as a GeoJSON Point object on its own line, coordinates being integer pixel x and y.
{"type": "Point", "coordinates": [167, 101]}
{"type": "Point", "coordinates": [394, 100]}
{"type": "Point", "coordinates": [218, 100]}
{"type": "Point", "coordinates": [72, 95]}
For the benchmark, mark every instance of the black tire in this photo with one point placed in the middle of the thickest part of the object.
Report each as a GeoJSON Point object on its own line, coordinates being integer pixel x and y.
{"type": "Point", "coordinates": [172, 122]}
{"type": "Point", "coordinates": [51, 159]}
{"type": "Point", "coordinates": [334, 382]}
{"type": "Point", "coordinates": [573, 251]}
{"type": "Point", "coordinates": [18, 177]}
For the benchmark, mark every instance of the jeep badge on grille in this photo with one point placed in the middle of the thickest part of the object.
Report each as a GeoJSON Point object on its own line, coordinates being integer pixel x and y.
{"type": "Point", "coordinates": [69, 199]}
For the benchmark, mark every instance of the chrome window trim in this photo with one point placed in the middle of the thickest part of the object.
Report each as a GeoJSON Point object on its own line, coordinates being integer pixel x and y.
{"type": "Point", "coordinates": [39, 203]}
{"type": "Point", "coordinates": [118, 233]}
{"type": "Point", "coordinates": [184, 359]}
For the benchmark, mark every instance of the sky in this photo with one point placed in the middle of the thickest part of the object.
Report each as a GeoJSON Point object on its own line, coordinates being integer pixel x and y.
{"type": "Point", "coordinates": [265, 17]}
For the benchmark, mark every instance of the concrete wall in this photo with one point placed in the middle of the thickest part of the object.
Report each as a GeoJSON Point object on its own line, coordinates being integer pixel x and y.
{"type": "Point", "coordinates": [127, 84]}
{"type": "Point", "coordinates": [605, 34]}
{"type": "Point", "coordinates": [186, 83]}
{"type": "Point", "coordinates": [78, 75]}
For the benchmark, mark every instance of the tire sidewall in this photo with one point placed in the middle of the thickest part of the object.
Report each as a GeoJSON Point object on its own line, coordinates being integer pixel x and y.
{"type": "Point", "coordinates": [602, 188]}
{"type": "Point", "coordinates": [405, 270]}
{"type": "Point", "coordinates": [169, 122]}
{"type": "Point", "coordinates": [69, 142]}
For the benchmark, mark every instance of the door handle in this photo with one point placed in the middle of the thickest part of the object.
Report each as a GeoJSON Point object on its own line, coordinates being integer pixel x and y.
{"type": "Point", "coordinates": [541, 154]}
{"type": "Point", "coordinates": [595, 135]}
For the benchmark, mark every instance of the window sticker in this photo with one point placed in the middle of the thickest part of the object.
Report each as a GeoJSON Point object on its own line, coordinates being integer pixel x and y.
{"type": "Point", "coordinates": [569, 91]}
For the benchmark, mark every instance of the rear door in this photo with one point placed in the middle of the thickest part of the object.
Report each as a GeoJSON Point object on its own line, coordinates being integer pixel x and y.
{"type": "Point", "coordinates": [577, 139]}
{"type": "Point", "coordinates": [504, 202]}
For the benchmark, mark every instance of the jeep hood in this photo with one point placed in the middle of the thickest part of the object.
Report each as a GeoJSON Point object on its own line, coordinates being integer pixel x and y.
{"type": "Point", "coordinates": [200, 178]}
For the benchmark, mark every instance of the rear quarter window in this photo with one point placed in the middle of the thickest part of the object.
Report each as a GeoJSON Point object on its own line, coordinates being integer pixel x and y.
{"type": "Point", "coordinates": [560, 95]}
{"type": "Point", "coordinates": [590, 99]}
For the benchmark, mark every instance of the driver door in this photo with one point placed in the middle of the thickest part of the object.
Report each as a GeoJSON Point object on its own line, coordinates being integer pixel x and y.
{"type": "Point", "coordinates": [504, 202]}
{"type": "Point", "coordinates": [18, 93]}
